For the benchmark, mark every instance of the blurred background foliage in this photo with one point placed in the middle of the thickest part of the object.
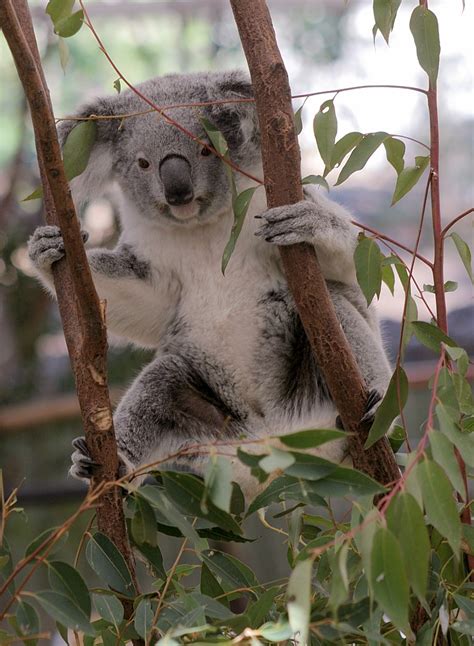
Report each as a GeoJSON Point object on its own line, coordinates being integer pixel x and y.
{"type": "Point", "coordinates": [326, 44]}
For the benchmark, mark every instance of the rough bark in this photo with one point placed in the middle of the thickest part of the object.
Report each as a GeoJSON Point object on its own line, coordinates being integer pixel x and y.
{"type": "Point", "coordinates": [281, 165]}
{"type": "Point", "coordinates": [81, 312]}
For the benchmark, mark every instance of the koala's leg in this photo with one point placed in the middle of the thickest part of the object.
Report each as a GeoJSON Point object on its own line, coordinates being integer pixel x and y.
{"type": "Point", "coordinates": [168, 408]}
{"type": "Point", "coordinates": [320, 222]}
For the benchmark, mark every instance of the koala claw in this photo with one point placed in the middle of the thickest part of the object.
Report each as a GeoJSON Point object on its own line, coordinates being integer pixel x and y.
{"type": "Point", "coordinates": [373, 401]}
{"type": "Point", "coordinates": [83, 467]}
{"type": "Point", "coordinates": [288, 225]}
{"type": "Point", "coordinates": [46, 246]}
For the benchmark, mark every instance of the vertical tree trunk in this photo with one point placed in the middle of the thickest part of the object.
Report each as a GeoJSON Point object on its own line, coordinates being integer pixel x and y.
{"type": "Point", "coordinates": [281, 164]}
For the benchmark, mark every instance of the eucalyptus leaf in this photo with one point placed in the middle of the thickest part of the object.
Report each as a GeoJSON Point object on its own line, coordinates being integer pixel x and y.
{"type": "Point", "coordinates": [406, 522]}
{"type": "Point", "coordinates": [361, 154]}
{"type": "Point", "coordinates": [27, 621]}
{"type": "Point", "coordinates": [67, 580]}
{"type": "Point", "coordinates": [431, 336]}
{"type": "Point", "coordinates": [64, 610]}
{"type": "Point", "coordinates": [424, 28]}
{"type": "Point", "coordinates": [299, 600]}
{"type": "Point", "coordinates": [393, 402]}
{"type": "Point", "coordinates": [408, 177]}
{"type": "Point", "coordinates": [143, 526]}
{"type": "Point", "coordinates": [315, 179]}
{"type": "Point", "coordinates": [462, 440]}
{"type": "Point", "coordinates": [218, 482]}
{"type": "Point", "coordinates": [325, 130]}
{"type": "Point", "coordinates": [143, 621]}
{"type": "Point", "coordinates": [230, 570]}
{"type": "Point", "coordinates": [388, 579]}
{"type": "Point", "coordinates": [464, 252]}
{"type": "Point", "coordinates": [438, 500]}
{"type": "Point", "coordinates": [67, 27]}
{"type": "Point", "coordinates": [342, 148]}
{"type": "Point", "coordinates": [385, 12]}
{"type": "Point", "coordinates": [395, 151]}
{"type": "Point", "coordinates": [109, 608]}
{"type": "Point", "coordinates": [311, 438]}
{"type": "Point", "coordinates": [443, 454]}
{"type": "Point", "coordinates": [109, 564]}
{"type": "Point", "coordinates": [59, 9]}
{"type": "Point", "coordinates": [240, 205]}
{"type": "Point", "coordinates": [368, 262]}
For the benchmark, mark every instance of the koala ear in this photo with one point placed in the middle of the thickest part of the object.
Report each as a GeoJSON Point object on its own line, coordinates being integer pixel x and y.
{"type": "Point", "coordinates": [92, 182]}
{"type": "Point", "coordinates": [237, 121]}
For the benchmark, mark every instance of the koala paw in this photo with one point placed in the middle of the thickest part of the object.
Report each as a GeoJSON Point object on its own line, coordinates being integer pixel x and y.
{"type": "Point", "coordinates": [46, 247]}
{"type": "Point", "coordinates": [373, 402]}
{"type": "Point", "coordinates": [83, 467]}
{"type": "Point", "coordinates": [287, 225]}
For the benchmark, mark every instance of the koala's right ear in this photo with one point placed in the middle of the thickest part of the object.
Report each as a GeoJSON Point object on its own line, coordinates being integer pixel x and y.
{"type": "Point", "coordinates": [98, 174]}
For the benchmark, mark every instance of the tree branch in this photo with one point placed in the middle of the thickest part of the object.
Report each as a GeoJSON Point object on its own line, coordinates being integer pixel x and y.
{"type": "Point", "coordinates": [81, 312]}
{"type": "Point", "coordinates": [281, 164]}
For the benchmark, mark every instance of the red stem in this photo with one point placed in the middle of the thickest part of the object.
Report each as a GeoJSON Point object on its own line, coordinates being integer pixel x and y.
{"type": "Point", "coordinates": [456, 219]}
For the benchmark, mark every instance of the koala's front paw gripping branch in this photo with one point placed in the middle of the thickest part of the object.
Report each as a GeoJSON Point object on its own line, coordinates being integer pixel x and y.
{"type": "Point", "coordinates": [82, 318]}
{"type": "Point", "coordinates": [281, 163]}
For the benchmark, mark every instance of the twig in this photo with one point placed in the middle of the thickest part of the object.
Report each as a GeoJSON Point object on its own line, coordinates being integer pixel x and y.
{"type": "Point", "coordinates": [456, 219]}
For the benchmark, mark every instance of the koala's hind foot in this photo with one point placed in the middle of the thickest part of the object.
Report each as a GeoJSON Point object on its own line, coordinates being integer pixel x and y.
{"type": "Point", "coordinates": [46, 246]}
{"type": "Point", "coordinates": [373, 402]}
{"type": "Point", "coordinates": [83, 466]}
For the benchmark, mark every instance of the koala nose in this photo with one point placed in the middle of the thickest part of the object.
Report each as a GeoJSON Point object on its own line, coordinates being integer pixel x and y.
{"type": "Point", "coordinates": [175, 173]}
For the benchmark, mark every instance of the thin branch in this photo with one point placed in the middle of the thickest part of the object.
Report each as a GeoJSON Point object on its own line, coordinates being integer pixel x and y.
{"type": "Point", "coordinates": [456, 219]}
{"type": "Point", "coordinates": [382, 236]}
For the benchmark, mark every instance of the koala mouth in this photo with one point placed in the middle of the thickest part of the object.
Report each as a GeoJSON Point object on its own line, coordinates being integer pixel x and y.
{"type": "Point", "coordinates": [185, 212]}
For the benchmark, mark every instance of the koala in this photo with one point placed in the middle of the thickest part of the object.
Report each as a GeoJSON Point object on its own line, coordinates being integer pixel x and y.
{"type": "Point", "coordinates": [232, 359]}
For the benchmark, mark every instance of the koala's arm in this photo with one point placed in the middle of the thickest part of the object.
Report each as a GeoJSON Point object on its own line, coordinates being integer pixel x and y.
{"type": "Point", "coordinates": [320, 222]}
{"type": "Point", "coordinates": [137, 307]}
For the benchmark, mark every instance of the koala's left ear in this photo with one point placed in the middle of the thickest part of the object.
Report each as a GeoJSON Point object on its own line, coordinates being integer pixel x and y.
{"type": "Point", "coordinates": [98, 174]}
{"type": "Point", "coordinates": [237, 121]}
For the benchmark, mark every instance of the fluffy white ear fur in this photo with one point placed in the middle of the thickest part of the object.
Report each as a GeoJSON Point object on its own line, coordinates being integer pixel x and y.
{"type": "Point", "coordinates": [94, 180]}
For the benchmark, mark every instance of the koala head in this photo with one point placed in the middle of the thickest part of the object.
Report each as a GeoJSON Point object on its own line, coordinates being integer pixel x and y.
{"type": "Point", "coordinates": [167, 176]}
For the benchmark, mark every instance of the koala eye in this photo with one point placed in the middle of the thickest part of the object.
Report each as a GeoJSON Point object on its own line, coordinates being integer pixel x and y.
{"type": "Point", "coordinates": [143, 163]}
{"type": "Point", "coordinates": [205, 152]}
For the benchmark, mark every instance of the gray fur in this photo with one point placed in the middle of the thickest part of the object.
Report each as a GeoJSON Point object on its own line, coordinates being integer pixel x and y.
{"type": "Point", "coordinates": [232, 357]}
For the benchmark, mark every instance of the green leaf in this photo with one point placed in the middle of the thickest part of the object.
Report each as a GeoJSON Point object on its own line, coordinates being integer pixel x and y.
{"type": "Point", "coordinates": [361, 154]}
{"type": "Point", "coordinates": [63, 54]}
{"type": "Point", "coordinates": [340, 579]}
{"type": "Point", "coordinates": [462, 440]}
{"type": "Point", "coordinates": [118, 85]}
{"type": "Point", "coordinates": [395, 151]}
{"type": "Point", "coordinates": [388, 579]}
{"type": "Point", "coordinates": [397, 438]}
{"type": "Point", "coordinates": [67, 580]}
{"type": "Point", "coordinates": [286, 488]}
{"type": "Point", "coordinates": [344, 481]}
{"type": "Point", "coordinates": [174, 516]}
{"type": "Point", "coordinates": [390, 406]}
{"type": "Point", "coordinates": [309, 467]}
{"type": "Point", "coordinates": [388, 277]}
{"type": "Point", "coordinates": [385, 12]}
{"type": "Point", "coordinates": [77, 148]}
{"type": "Point", "coordinates": [438, 500]}
{"type": "Point", "coordinates": [258, 610]}
{"type": "Point", "coordinates": [27, 621]}
{"type": "Point", "coordinates": [109, 564]}
{"type": "Point", "coordinates": [450, 286]}
{"type": "Point", "coordinates": [299, 600]}
{"type": "Point", "coordinates": [67, 27]}
{"type": "Point", "coordinates": [368, 262]}
{"type": "Point", "coordinates": [33, 546]}
{"type": "Point", "coordinates": [443, 454]}
{"type": "Point", "coordinates": [276, 460]}
{"type": "Point", "coordinates": [153, 557]}
{"type": "Point", "coordinates": [144, 618]}
{"type": "Point", "coordinates": [464, 252]}
{"type": "Point", "coordinates": [240, 205]}
{"type": "Point", "coordinates": [342, 148]}
{"type": "Point", "coordinates": [311, 438]}
{"type": "Point", "coordinates": [230, 570]}
{"type": "Point", "coordinates": [59, 9]}
{"type": "Point", "coordinates": [315, 179]}
{"type": "Point", "coordinates": [424, 27]}
{"type": "Point", "coordinates": [216, 136]}
{"type": "Point", "coordinates": [143, 526]}
{"type": "Point", "coordinates": [109, 608]}
{"type": "Point", "coordinates": [405, 520]}
{"type": "Point", "coordinates": [218, 483]}
{"type": "Point", "coordinates": [408, 177]}
{"type": "Point", "coordinates": [210, 586]}
{"type": "Point", "coordinates": [298, 120]}
{"type": "Point", "coordinates": [36, 195]}
{"type": "Point", "coordinates": [186, 491]}
{"type": "Point", "coordinates": [325, 130]}
{"type": "Point", "coordinates": [431, 336]}
{"type": "Point", "coordinates": [64, 610]}
{"type": "Point", "coordinates": [276, 632]}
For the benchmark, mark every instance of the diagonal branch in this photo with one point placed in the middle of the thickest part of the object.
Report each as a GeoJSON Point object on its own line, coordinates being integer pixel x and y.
{"type": "Point", "coordinates": [81, 313]}
{"type": "Point", "coordinates": [281, 164]}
